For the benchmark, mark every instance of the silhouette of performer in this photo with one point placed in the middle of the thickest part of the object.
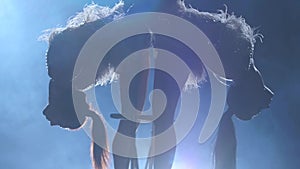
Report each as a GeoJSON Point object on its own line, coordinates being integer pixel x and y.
{"type": "Point", "coordinates": [61, 56]}
{"type": "Point", "coordinates": [233, 39]}
{"type": "Point", "coordinates": [246, 98]}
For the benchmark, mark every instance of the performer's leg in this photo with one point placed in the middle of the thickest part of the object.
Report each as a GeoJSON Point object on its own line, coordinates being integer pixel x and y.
{"type": "Point", "coordinates": [169, 86]}
{"type": "Point", "coordinates": [137, 94]}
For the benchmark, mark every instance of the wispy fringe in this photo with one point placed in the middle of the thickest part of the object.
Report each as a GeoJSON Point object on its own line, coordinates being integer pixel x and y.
{"type": "Point", "coordinates": [108, 77]}
{"type": "Point", "coordinates": [194, 82]}
{"type": "Point", "coordinates": [230, 20]}
{"type": "Point", "coordinates": [90, 13]}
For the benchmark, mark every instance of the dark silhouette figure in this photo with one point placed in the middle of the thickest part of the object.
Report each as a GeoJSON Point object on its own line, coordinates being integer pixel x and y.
{"type": "Point", "coordinates": [234, 41]}
{"type": "Point", "coordinates": [231, 36]}
{"type": "Point", "coordinates": [63, 51]}
{"type": "Point", "coordinates": [246, 98]}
